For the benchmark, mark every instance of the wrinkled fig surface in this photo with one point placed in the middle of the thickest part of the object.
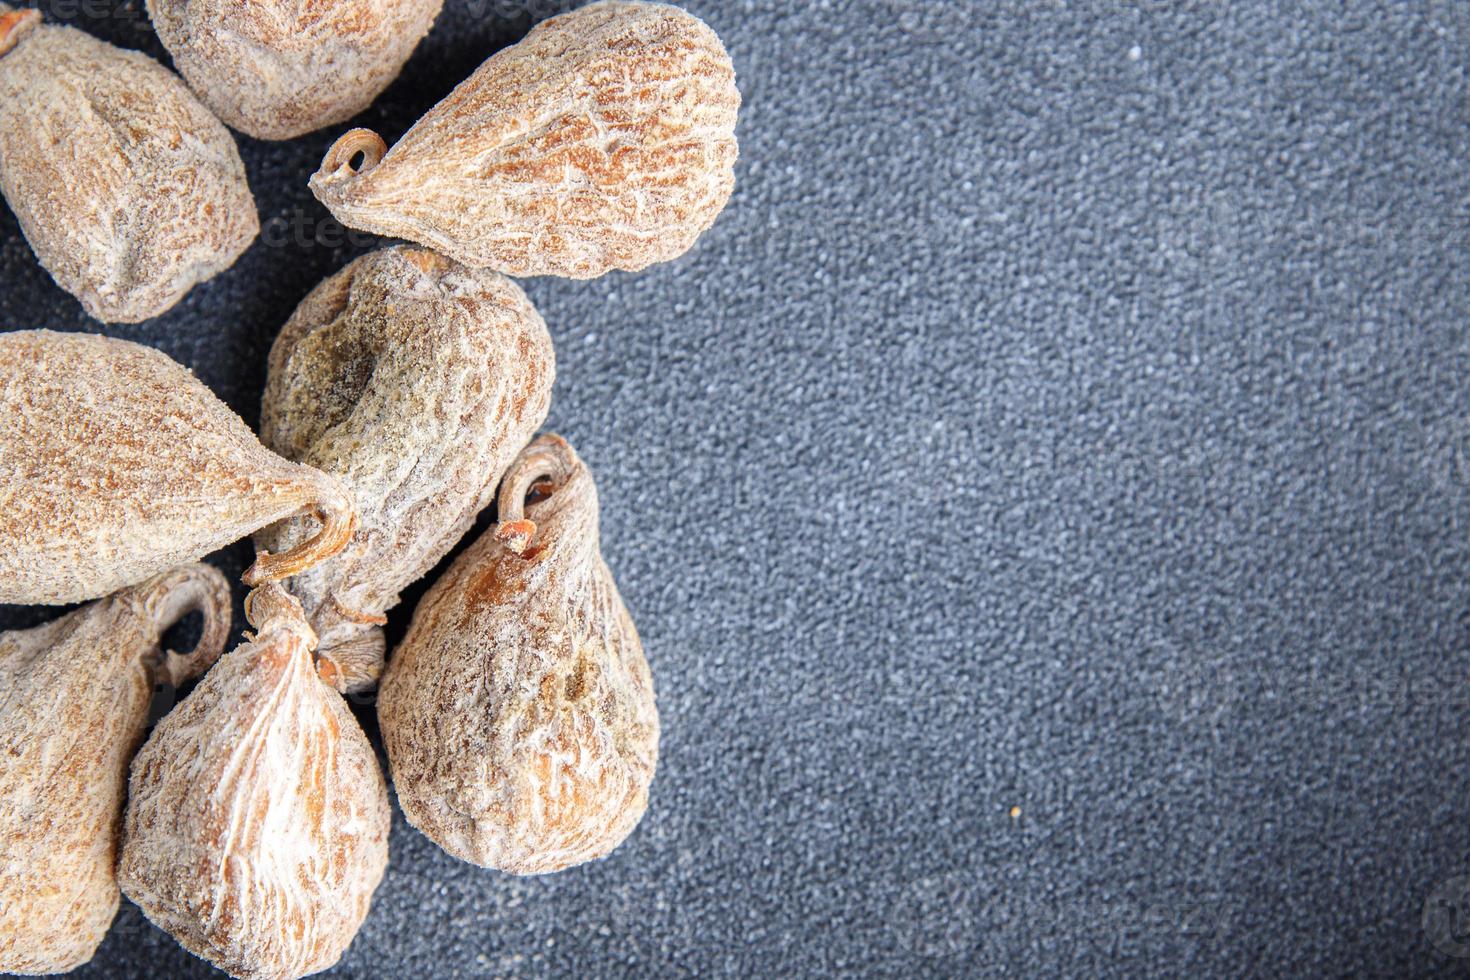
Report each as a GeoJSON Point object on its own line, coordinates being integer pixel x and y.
{"type": "Point", "coordinates": [279, 68]}
{"type": "Point", "coordinates": [257, 817]}
{"type": "Point", "coordinates": [116, 463]}
{"type": "Point", "coordinates": [74, 700]}
{"type": "Point", "coordinates": [129, 191]}
{"type": "Point", "coordinates": [604, 140]}
{"type": "Point", "coordinates": [415, 381]}
{"type": "Point", "coordinates": [518, 713]}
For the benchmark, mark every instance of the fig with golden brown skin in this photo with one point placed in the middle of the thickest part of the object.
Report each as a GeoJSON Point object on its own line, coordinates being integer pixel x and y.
{"type": "Point", "coordinates": [604, 140]}
{"type": "Point", "coordinates": [415, 381]}
{"type": "Point", "coordinates": [257, 818]}
{"type": "Point", "coordinates": [276, 69]}
{"type": "Point", "coordinates": [74, 701]}
{"type": "Point", "coordinates": [116, 463]}
{"type": "Point", "coordinates": [518, 712]}
{"type": "Point", "coordinates": [129, 191]}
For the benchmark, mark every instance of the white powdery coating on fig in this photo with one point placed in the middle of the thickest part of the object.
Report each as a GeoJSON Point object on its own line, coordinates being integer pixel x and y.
{"type": "Point", "coordinates": [116, 463]}
{"type": "Point", "coordinates": [74, 700]}
{"type": "Point", "coordinates": [257, 819]}
{"type": "Point", "coordinates": [415, 381]}
{"type": "Point", "coordinates": [276, 69]}
{"type": "Point", "coordinates": [129, 191]}
{"type": "Point", "coordinates": [518, 712]}
{"type": "Point", "coordinates": [604, 140]}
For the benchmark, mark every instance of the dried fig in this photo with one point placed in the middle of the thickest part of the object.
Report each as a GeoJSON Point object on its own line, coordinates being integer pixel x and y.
{"type": "Point", "coordinates": [74, 700]}
{"type": "Point", "coordinates": [127, 188]}
{"type": "Point", "coordinates": [279, 68]}
{"type": "Point", "coordinates": [257, 817]}
{"type": "Point", "coordinates": [415, 381]}
{"type": "Point", "coordinates": [116, 463]}
{"type": "Point", "coordinates": [604, 140]}
{"type": "Point", "coordinates": [518, 712]}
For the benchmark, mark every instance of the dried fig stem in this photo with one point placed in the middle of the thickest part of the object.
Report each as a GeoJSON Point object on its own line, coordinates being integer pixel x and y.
{"type": "Point", "coordinates": [271, 606]}
{"type": "Point", "coordinates": [168, 598]}
{"type": "Point", "coordinates": [339, 521]}
{"type": "Point", "coordinates": [353, 142]}
{"type": "Point", "coordinates": [548, 458]}
{"type": "Point", "coordinates": [15, 25]}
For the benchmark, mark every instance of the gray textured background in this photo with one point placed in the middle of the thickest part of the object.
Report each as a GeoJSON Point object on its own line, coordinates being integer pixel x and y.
{"type": "Point", "coordinates": [1069, 413]}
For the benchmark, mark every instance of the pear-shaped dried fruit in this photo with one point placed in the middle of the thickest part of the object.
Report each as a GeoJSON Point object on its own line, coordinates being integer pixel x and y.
{"type": "Point", "coordinates": [518, 712]}
{"type": "Point", "coordinates": [604, 140]}
{"type": "Point", "coordinates": [416, 381]}
{"type": "Point", "coordinates": [128, 189]}
{"type": "Point", "coordinates": [116, 463]}
{"type": "Point", "coordinates": [257, 818]}
{"type": "Point", "coordinates": [74, 700]}
{"type": "Point", "coordinates": [279, 68]}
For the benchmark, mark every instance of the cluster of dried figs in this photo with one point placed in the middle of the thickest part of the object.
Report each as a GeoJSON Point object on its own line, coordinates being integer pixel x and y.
{"type": "Point", "coordinates": [403, 398]}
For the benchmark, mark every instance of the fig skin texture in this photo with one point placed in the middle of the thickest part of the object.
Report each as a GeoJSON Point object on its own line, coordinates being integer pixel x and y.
{"type": "Point", "coordinates": [116, 463]}
{"type": "Point", "coordinates": [74, 701]}
{"type": "Point", "coordinates": [257, 818]}
{"type": "Point", "coordinates": [277, 69]}
{"type": "Point", "coordinates": [604, 140]}
{"type": "Point", "coordinates": [415, 381]}
{"type": "Point", "coordinates": [518, 712]}
{"type": "Point", "coordinates": [128, 189]}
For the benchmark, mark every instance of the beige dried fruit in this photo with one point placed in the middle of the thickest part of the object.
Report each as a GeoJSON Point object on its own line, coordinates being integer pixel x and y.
{"type": "Point", "coordinates": [257, 818]}
{"type": "Point", "coordinates": [279, 68]}
{"type": "Point", "coordinates": [604, 140]}
{"type": "Point", "coordinates": [518, 713]}
{"type": "Point", "coordinates": [129, 191]}
{"type": "Point", "coordinates": [116, 463]}
{"type": "Point", "coordinates": [74, 700]}
{"type": "Point", "coordinates": [415, 381]}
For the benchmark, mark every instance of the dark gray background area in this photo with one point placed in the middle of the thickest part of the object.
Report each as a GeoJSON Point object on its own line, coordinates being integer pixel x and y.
{"type": "Point", "coordinates": [1070, 412]}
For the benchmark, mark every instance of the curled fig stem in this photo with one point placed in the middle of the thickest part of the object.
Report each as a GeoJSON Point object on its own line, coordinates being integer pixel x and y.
{"type": "Point", "coordinates": [170, 596]}
{"type": "Point", "coordinates": [15, 25]}
{"type": "Point", "coordinates": [351, 143]}
{"type": "Point", "coordinates": [272, 607]}
{"type": "Point", "coordinates": [339, 521]}
{"type": "Point", "coordinates": [516, 535]}
{"type": "Point", "coordinates": [549, 458]}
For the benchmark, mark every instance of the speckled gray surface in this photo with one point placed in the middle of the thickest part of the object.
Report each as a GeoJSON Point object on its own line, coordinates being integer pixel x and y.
{"type": "Point", "coordinates": [1069, 413]}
